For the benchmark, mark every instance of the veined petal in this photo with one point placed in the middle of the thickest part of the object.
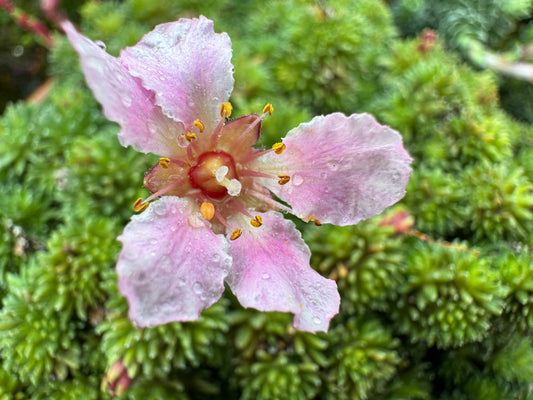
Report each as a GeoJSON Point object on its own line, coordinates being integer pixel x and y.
{"type": "Point", "coordinates": [125, 101]}
{"type": "Point", "coordinates": [172, 266]}
{"type": "Point", "coordinates": [189, 68]}
{"type": "Point", "coordinates": [342, 169]}
{"type": "Point", "coordinates": [271, 272]}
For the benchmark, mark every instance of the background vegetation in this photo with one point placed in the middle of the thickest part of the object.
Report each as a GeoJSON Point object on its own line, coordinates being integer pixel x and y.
{"type": "Point", "coordinates": [437, 294]}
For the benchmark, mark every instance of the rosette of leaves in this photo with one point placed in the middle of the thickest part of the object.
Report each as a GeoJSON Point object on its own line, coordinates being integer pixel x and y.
{"type": "Point", "coordinates": [366, 260]}
{"type": "Point", "coordinates": [68, 276]}
{"type": "Point", "coordinates": [325, 54]}
{"type": "Point", "coordinates": [517, 275]}
{"type": "Point", "coordinates": [275, 361]}
{"type": "Point", "coordinates": [36, 343]}
{"type": "Point", "coordinates": [446, 112]}
{"type": "Point", "coordinates": [106, 174]}
{"type": "Point", "coordinates": [449, 297]}
{"type": "Point", "coordinates": [158, 352]}
{"type": "Point", "coordinates": [364, 359]}
{"type": "Point", "coordinates": [500, 206]}
{"type": "Point", "coordinates": [497, 368]}
{"type": "Point", "coordinates": [437, 201]}
{"type": "Point", "coordinates": [278, 376]}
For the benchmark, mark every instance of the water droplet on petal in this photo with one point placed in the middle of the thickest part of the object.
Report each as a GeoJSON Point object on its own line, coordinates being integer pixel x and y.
{"type": "Point", "coordinates": [100, 44]}
{"type": "Point", "coordinates": [297, 180]}
{"type": "Point", "coordinates": [333, 165]}
{"type": "Point", "coordinates": [152, 126]}
{"type": "Point", "coordinates": [153, 241]}
{"type": "Point", "coordinates": [265, 276]}
{"type": "Point", "coordinates": [216, 258]}
{"type": "Point", "coordinates": [197, 288]}
{"type": "Point", "coordinates": [126, 100]}
{"type": "Point", "coordinates": [323, 174]}
{"type": "Point", "coordinates": [317, 320]}
{"type": "Point", "coordinates": [159, 208]}
{"type": "Point", "coordinates": [173, 228]}
{"type": "Point", "coordinates": [181, 282]}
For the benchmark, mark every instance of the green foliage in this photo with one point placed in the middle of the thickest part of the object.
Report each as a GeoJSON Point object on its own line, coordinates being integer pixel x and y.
{"type": "Point", "coordinates": [501, 206]}
{"type": "Point", "coordinates": [449, 298]}
{"type": "Point", "coordinates": [155, 352]}
{"type": "Point", "coordinates": [419, 319]}
{"type": "Point", "coordinates": [365, 358]}
{"type": "Point", "coordinates": [365, 260]}
{"type": "Point", "coordinates": [517, 275]}
{"type": "Point", "coordinates": [35, 341]}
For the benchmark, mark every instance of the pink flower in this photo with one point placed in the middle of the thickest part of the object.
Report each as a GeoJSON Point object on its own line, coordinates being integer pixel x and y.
{"type": "Point", "coordinates": [215, 218]}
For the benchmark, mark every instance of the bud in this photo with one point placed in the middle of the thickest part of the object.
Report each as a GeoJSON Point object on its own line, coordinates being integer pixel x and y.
{"type": "Point", "coordinates": [116, 381]}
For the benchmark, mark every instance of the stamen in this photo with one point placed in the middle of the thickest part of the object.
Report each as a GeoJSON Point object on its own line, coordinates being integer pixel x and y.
{"type": "Point", "coordinates": [268, 109]}
{"type": "Point", "coordinates": [190, 136]}
{"type": "Point", "coordinates": [164, 162]}
{"type": "Point", "coordinates": [164, 190]}
{"type": "Point", "coordinates": [257, 221]}
{"type": "Point", "coordinates": [251, 172]}
{"type": "Point", "coordinates": [279, 148]}
{"type": "Point", "coordinates": [225, 109]}
{"type": "Point", "coordinates": [236, 234]}
{"type": "Point", "coordinates": [316, 222]}
{"type": "Point", "coordinates": [234, 187]}
{"type": "Point", "coordinates": [283, 179]}
{"type": "Point", "coordinates": [208, 210]}
{"type": "Point", "coordinates": [221, 172]}
{"type": "Point", "coordinates": [199, 125]}
{"type": "Point", "coordinates": [269, 201]}
{"type": "Point", "coordinates": [139, 206]}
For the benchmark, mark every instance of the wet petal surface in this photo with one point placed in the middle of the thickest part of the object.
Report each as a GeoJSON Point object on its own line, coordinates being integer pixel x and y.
{"type": "Point", "coordinates": [189, 68]}
{"type": "Point", "coordinates": [342, 169]}
{"type": "Point", "coordinates": [124, 100]}
{"type": "Point", "coordinates": [271, 272]}
{"type": "Point", "coordinates": [172, 266]}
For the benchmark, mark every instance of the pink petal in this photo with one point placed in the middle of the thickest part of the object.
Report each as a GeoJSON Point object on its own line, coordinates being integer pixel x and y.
{"type": "Point", "coordinates": [189, 68]}
{"type": "Point", "coordinates": [124, 100]}
{"type": "Point", "coordinates": [271, 272]}
{"type": "Point", "coordinates": [342, 169]}
{"type": "Point", "coordinates": [172, 266]}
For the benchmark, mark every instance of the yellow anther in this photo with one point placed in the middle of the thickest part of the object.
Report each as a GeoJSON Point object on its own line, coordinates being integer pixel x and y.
{"type": "Point", "coordinates": [268, 109]}
{"type": "Point", "coordinates": [257, 221]}
{"type": "Point", "coordinates": [164, 162]}
{"type": "Point", "coordinates": [139, 206]}
{"type": "Point", "coordinates": [225, 109]}
{"type": "Point", "coordinates": [190, 136]}
{"type": "Point", "coordinates": [283, 179]}
{"type": "Point", "coordinates": [316, 221]}
{"type": "Point", "coordinates": [278, 148]}
{"type": "Point", "coordinates": [236, 233]}
{"type": "Point", "coordinates": [207, 210]}
{"type": "Point", "coordinates": [199, 125]}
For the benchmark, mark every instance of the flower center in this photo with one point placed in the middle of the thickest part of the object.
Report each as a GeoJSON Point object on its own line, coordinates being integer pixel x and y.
{"type": "Point", "coordinates": [215, 175]}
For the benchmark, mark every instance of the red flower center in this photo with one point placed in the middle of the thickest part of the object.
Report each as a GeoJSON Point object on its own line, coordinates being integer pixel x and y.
{"type": "Point", "coordinates": [212, 172]}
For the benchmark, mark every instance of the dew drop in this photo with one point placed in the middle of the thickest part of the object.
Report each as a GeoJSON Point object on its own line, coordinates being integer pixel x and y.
{"type": "Point", "coordinates": [203, 297]}
{"type": "Point", "coordinates": [153, 241]}
{"type": "Point", "coordinates": [100, 44]}
{"type": "Point", "coordinates": [159, 208]}
{"type": "Point", "coordinates": [317, 320]}
{"type": "Point", "coordinates": [216, 258]}
{"type": "Point", "coordinates": [188, 249]}
{"type": "Point", "coordinates": [126, 100]}
{"type": "Point", "coordinates": [297, 180]}
{"type": "Point", "coordinates": [152, 126]}
{"type": "Point", "coordinates": [173, 228]}
{"type": "Point", "coordinates": [333, 165]}
{"type": "Point", "coordinates": [265, 276]}
{"type": "Point", "coordinates": [323, 174]}
{"type": "Point", "coordinates": [181, 282]}
{"type": "Point", "coordinates": [197, 288]}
